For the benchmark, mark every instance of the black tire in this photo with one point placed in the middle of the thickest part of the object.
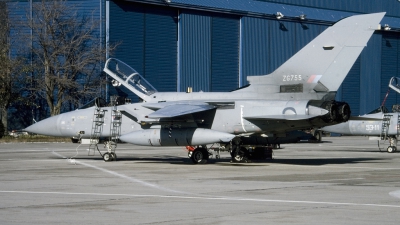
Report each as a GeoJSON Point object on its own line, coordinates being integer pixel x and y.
{"type": "Point", "coordinates": [241, 156]}
{"type": "Point", "coordinates": [107, 157]}
{"type": "Point", "coordinates": [391, 149]}
{"type": "Point", "coordinates": [199, 156]}
{"type": "Point", "coordinates": [317, 137]}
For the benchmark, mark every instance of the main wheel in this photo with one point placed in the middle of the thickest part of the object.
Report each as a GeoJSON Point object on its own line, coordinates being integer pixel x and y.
{"type": "Point", "coordinates": [318, 136]}
{"type": "Point", "coordinates": [199, 156]}
{"type": "Point", "coordinates": [391, 149]}
{"type": "Point", "coordinates": [241, 155]}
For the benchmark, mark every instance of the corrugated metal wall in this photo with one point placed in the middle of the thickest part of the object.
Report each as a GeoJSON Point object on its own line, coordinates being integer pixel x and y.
{"type": "Point", "coordinates": [195, 50]}
{"type": "Point", "coordinates": [161, 48]}
{"type": "Point", "coordinates": [255, 47]}
{"type": "Point", "coordinates": [224, 53]}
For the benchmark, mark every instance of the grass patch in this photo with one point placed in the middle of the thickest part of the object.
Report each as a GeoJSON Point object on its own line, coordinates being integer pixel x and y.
{"type": "Point", "coordinates": [33, 138]}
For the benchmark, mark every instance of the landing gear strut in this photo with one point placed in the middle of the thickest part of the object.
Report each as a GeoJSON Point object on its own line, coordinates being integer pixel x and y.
{"type": "Point", "coordinates": [110, 154]}
{"type": "Point", "coordinates": [392, 145]}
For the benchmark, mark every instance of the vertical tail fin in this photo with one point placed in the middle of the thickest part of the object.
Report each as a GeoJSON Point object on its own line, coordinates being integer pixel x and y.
{"type": "Point", "coordinates": [323, 64]}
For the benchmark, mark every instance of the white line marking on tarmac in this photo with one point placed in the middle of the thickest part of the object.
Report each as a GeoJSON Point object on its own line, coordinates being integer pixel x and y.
{"type": "Point", "coordinates": [205, 198]}
{"type": "Point", "coordinates": [120, 175]}
{"type": "Point", "coordinates": [332, 180]}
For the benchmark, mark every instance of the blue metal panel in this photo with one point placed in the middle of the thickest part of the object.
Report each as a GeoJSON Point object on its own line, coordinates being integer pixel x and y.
{"type": "Point", "coordinates": [282, 43]}
{"type": "Point", "coordinates": [255, 42]}
{"type": "Point", "coordinates": [195, 50]}
{"type": "Point", "coordinates": [225, 53]}
{"type": "Point", "coordinates": [370, 81]}
{"type": "Point", "coordinates": [129, 36]}
{"type": "Point", "coordinates": [161, 48]}
{"type": "Point", "coordinates": [390, 65]}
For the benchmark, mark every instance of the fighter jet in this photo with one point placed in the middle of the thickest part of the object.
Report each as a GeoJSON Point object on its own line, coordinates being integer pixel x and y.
{"type": "Point", "coordinates": [298, 95]}
{"type": "Point", "coordinates": [379, 124]}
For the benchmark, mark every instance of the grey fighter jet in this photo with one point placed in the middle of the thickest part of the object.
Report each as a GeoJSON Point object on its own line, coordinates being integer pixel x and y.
{"type": "Point", "coordinates": [377, 125]}
{"type": "Point", "coordinates": [298, 95]}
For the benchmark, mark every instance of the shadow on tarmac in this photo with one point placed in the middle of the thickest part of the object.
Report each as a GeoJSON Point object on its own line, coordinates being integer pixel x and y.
{"type": "Point", "coordinates": [226, 161]}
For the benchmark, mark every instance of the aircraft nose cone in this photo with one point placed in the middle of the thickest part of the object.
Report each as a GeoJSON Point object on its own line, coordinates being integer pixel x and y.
{"type": "Point", "coordinates": [45, 127]}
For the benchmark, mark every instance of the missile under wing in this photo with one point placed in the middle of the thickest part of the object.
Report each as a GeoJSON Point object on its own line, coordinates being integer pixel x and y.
{"type": "Point", "coordinates": [298, 95]}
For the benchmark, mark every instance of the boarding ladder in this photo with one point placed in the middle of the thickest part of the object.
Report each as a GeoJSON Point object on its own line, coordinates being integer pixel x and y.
{"type": "Point", "coordinates": [115, 129]}
{"type": "Point", "coordinates": [385, 126]}
{"type": "Point", "coordinates": [97, 128]}
{"type": "Point", "coordinates": [398, 124]}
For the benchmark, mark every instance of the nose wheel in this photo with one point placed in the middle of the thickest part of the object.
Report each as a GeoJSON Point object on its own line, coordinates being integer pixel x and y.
{"type": "Point", "coordinates": [108, 157]}
{"type": "Point", "coordinates": [391, 149]}
{"type": "Point", "coordinates": [392, 145]}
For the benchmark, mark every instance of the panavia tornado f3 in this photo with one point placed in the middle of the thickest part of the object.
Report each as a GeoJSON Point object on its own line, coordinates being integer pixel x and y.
{"type": "Point", "coordinates": [299, 95]}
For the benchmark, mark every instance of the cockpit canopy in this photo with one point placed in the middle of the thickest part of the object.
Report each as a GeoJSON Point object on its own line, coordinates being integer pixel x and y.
{"type": "Point", "coordinates": [394, 84]}
{"type": "Point", "coordinates": [127, 76]}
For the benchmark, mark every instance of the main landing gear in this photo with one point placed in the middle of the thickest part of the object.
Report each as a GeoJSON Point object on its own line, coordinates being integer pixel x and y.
{"type": "Point", "coordinates": [199, 155]}
{"type": "Point", "coordinates": [239, 154]}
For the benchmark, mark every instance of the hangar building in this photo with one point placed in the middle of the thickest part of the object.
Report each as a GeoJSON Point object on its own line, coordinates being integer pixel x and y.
{"type": "Point", "coordinates": [213, 45]}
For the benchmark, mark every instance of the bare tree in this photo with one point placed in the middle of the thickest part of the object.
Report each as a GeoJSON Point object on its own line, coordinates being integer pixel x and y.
{"type": "Point", "coordinates": [67, 54]}
{"type": "Point", "coordinates": [9, 66]}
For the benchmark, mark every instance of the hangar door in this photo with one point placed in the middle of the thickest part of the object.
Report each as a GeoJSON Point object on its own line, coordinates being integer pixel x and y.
{"type": "Point", "coordinates": [147, 40]}
{"type": "Point", "coordinates": [209, 51]}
